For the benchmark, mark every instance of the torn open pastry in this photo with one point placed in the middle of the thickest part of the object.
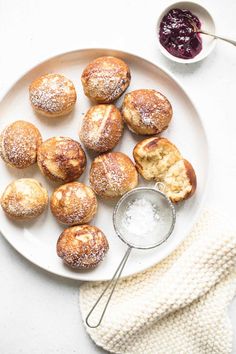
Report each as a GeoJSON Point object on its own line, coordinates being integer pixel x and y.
{"type": "Point", "coordinates": [160, 160]}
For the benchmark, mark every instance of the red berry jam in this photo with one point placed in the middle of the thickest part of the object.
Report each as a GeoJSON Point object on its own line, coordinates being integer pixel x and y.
{"type": "Point", "coordinates": [177, 34]}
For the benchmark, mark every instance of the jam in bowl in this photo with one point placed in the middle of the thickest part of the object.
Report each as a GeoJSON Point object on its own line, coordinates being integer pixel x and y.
{"type": "Point", "coordinates": [178, 35]}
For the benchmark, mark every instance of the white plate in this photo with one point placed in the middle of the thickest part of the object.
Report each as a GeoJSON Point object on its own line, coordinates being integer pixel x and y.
{"type": "Point", "coordinates": [36, 240]}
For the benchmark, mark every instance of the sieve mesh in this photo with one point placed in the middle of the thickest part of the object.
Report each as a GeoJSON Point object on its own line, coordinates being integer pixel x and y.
{"type": "Point", "coordinates": [164, 223]}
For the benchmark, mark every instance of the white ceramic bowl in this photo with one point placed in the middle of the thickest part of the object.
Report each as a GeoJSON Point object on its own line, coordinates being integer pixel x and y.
{"type": "Point", "coordinates": [208, 24]}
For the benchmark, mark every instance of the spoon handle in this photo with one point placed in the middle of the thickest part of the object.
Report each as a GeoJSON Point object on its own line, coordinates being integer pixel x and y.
{"type": "Point", "coordinates": [219, 37]}
{"type": "Point", "coordinates": [112, 283]}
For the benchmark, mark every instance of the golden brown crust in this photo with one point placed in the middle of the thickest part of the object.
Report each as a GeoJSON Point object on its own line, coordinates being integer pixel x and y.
{"type": "Point", "coordinates": [19, 142]}
{"type": "Point", "coordinates": [191, 176]}
{"type": "Point", "coordinates": [102, 127]}
{"type": "Point", "coordinates": [146, 112]}
{"type": "Point", "coordinates": [82, 247]}
{"type": "Point", "coordinates": [73, 204]}
{"type": "Point", "coordinates": [24, 199]}
{"type": "Point", "coordinates": [105, 79]}
{"type": "Point", "coordinates": [112, 175]}
{"type": "Point", "coordinates": [52, 95]}
{"type": "Point", "coordinates": [61, 159]}
{"type": "Point", "coordinates": [160, 160]}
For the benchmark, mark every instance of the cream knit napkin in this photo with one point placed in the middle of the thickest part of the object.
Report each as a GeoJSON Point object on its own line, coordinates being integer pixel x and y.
{"type": "Point", "coordinates": [178, 306]}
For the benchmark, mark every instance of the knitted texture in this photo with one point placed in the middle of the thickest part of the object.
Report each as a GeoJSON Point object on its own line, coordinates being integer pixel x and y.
{"type": "Point", "coordinates": [178, 306]}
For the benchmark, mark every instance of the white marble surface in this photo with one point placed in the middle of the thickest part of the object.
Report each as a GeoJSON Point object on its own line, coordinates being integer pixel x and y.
{"type": "Point", "coordinates": [39, 313]}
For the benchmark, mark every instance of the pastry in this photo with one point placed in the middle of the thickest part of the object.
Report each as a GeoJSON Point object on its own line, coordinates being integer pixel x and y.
{"type": "Point", "coordinates": [112, 175]}
{"type": "Point", "coordinates": [82, 246]}
{"type": "Point", "coordinates": [52, 95]}
{"type": "Point", "coordinates": [154, 156]}
{"type": "Point", "coordinates": [73, 204]}
{"type": "Point", "coordinates": [102, 128]}
{"type": "Point", "coordinates": [19, 142]}
{"type": "Point", "coordinates": [180, 181]}
{"type": "Point", "coordinates": [24, 199]}
{"type": "Point", "coordinates": [159, 160]}
{"type": "Point", "coordinates": [105, 79]}
{"type": "Point", "coordinates": [61, 159]}
{"type": "Point", "coordinates": [146, 112]}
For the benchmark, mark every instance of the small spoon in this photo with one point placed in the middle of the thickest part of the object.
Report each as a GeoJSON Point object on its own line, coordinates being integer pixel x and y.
{"type": "Point", "coordinates": [198, 30]}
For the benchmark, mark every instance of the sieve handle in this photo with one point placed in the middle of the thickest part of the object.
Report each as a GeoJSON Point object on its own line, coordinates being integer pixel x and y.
{"type": "Point", "coordinates": [112, 285]}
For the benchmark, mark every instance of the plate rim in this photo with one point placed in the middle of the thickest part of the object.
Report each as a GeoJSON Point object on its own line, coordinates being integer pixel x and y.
{"type": "Point", "coordinates": [76, 276]}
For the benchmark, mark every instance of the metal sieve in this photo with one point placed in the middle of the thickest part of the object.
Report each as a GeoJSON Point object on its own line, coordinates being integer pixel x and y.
{"type": "Point", "coordinates": [167, 217]}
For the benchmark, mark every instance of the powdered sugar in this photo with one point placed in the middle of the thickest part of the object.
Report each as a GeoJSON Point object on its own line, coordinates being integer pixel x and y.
{"type": "Point", "coordinates": [141, 217]}
{"type": "Point", "coordinates": [146, 111]}
{"type": "Point", "coordinates": [73, 203]}
{"type": "Point", "coordinates": [82, 247]}
{"type": "Point", "coordinates": [105, 79]}
{"type": "Point", "coordinates": [24, 198]}
{"type": "Point", "coordinates": [18, 144]}
{"type": "Point", "coordinates": [112, 175]}
{"type": "Point", "coordinates": [102, 128]}
{"type": "Point", "coordinates": [52, 93]}
{"type": "Point", "coordinates": [61, 159]}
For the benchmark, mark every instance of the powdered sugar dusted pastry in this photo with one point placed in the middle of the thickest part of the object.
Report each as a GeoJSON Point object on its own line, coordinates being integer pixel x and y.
{"type": "Point", "coordinates": [19, 143]}
{"type": "Point", "coordinates": [24, 199]}
{"type": "Point", "coordinates": [82, 246]}
{"type": "Point", "coordinates": [102, 127]}
{"type": "Point", "coordinates": [61, 159]}
{"type": "Point", "coordinates": [105, 79]}
{"type": "Point", "coordinates": [112, 175]}
{"type": "Point", "coordinates": [160, 160]}
{"type": "Point", "coordinates": [73, 203]}
{"type": "Point", "coordinates": [146, 112]}
{"type": "Point", "coordinates": [52, 95]}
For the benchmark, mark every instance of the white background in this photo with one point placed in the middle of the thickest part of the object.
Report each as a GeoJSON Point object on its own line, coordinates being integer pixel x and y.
{"type": "Point", "coordinates": [39, 312]}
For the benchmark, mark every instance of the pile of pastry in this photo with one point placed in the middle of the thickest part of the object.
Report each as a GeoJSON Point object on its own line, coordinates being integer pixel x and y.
{"type": "Point", "coordinates": [63, 160]}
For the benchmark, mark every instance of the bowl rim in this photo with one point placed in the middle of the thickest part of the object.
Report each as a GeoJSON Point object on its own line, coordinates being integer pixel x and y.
{"type": "Point", "coordinates": [197, 58]}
